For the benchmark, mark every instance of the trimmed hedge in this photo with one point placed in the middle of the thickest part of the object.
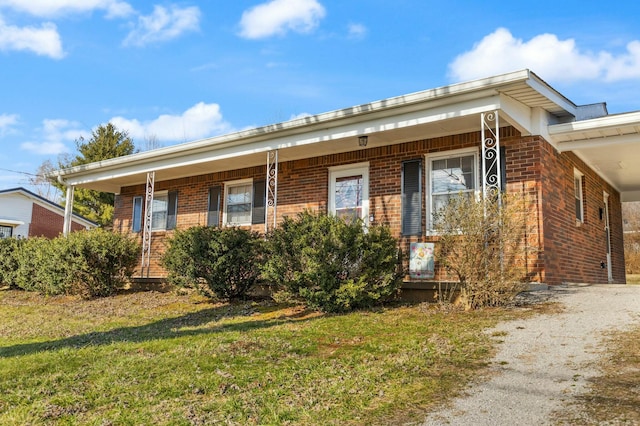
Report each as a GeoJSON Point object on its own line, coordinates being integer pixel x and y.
{"type": "Point", "coordinates": [332, 264]}
{"type": "Point", "coordinates": [220, 262]}
{"type": "Point", "coordinates": [88, 263]}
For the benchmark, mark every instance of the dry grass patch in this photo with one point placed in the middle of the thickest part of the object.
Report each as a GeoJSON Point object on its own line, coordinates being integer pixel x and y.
{"type": "Point", "coordinates": [613, 397]}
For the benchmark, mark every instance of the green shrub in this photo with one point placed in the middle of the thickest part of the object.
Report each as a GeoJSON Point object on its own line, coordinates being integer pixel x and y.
{"type": "Point", "coordinates": [106, 261]}
{"type": "Point", "coordinates": [220, 262]}
{"type": "Point", "coordinates": [331, 264]}
{"type": "Point", "coordinates": [88, 263]}
{"type": "Point", "coordinates": [45, 266]}
{"type": "Point", "coordinates": [8, 262]}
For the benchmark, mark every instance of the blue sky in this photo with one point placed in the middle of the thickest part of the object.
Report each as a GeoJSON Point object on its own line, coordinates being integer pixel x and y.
{"type": "Point", "coordinates": [185, 70]}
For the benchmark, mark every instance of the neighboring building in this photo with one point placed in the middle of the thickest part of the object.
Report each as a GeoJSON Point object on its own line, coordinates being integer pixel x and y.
{"type": "Point", "coordinates": [394, 162]}
{"type": "Point", "coordinates": [24, 214]}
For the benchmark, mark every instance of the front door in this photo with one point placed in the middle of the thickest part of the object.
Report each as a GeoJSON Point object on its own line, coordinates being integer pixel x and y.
{"type": "Point", "coordinates": [607, 233]}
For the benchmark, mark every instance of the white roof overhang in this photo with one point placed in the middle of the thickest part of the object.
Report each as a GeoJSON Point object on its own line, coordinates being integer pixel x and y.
{"type": "Point", "coordinates": [523, 99]}
{"type": "Point", "coordinates": [610, 145]}
{"type": "Point", "coordinates": [11, 222]}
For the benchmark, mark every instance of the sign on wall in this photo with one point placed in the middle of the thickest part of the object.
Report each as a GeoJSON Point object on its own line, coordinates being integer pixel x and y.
{"type": "Point", "coordinates": [421, 261]}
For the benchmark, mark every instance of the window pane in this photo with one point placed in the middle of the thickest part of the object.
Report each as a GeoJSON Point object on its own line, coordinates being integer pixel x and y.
{"type": "Point", "coordinates": [159, 212]}
{"type": "Point", "coordinates": [453, 175]}
{"type": "Point", "coordinates": [349, 192]}
{"type": "Point", "coordinates": [6, 231]}
{"type": "Point", "coordinates": [238, 204]}
{"type": "Point", "coordinates": [239, 213]}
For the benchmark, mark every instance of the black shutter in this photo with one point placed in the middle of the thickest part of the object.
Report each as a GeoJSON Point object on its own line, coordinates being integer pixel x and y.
{"type": "Point", "coordinates": [412, 197]}
{"type": "Point", "coordinates": [259, 202]}
{"type": "Point", "coordinates": [503, 169]}
{"type": "Point", "coordinates": [136, 220]}
{"type": "Point", "coordinates": [172, 210]}
{"type": "Point", "coordinates": [213, 211]}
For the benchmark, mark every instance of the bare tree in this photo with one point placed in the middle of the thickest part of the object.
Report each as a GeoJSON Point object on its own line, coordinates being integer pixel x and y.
{"type": "Point", "coordinates": [631, 226]}
{"type": "Point", "coordinates": [483, 243]}
{"type": "Point", "coordinates": [151, 141]}
{"type": "Point", "coordinates": [42, 185]}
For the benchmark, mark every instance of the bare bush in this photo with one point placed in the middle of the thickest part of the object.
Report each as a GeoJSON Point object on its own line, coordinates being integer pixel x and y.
{"type": "Point", "coordinates": [483, 244]}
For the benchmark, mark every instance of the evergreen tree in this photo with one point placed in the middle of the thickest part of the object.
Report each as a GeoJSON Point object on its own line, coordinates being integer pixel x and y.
{"type": "Point", "coordinates": [106, 142]}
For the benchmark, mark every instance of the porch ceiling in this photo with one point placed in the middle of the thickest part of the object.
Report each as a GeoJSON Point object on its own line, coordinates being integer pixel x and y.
{"type": "Point", "coordinates": [610, 145]}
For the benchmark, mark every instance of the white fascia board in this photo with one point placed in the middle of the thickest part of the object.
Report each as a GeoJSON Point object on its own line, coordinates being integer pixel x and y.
{"type": "Point", "coordinates": [374, 124]}
{"type": "Point", "coordinates": [597, 142]}
{"type": "Point", "coordinates": [11, 222]}
{"type": "Point", "coordinates": [550, 93]}
{"type": "Point", "coordinates": [596, 124]}
{"type": "Point", "coordinates": [420, 100]}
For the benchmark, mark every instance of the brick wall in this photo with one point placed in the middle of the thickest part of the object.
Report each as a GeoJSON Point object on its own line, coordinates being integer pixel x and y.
{"type": "Point", "coordinates": [574, 253]}
{"type": "Point", "coordinates": [303, 184]}
{"type": "Point", "coordinates": [45, 223]}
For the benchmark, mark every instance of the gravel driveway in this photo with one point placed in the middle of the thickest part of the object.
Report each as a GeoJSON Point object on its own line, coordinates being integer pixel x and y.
{"type": "Point", "coordinates": [545, 361]}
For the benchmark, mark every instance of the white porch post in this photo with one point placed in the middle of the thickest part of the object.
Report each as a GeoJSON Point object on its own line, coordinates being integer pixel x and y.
{"type": "Point", "coordinates": [68, 210]}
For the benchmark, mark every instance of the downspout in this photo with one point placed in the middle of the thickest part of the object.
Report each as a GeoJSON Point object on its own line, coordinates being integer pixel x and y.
{"type": "Point", "coordinates": [68, 206]}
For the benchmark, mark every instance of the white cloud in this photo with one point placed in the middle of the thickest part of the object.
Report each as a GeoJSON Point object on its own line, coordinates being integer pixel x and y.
{"type": "Point", "coordinates": [545, 54]}
{"type": "Point", "coordinates": [55, 132]}
{"type": "Point", "coordinates": [625, 67]}
{"type": "Point", "coordinates": [163, 24]}
{"type": "Point", "coordinates": [200, 121]}
{"type": "Point", "coordinates": [279, 16]}
{"type": "Point", "coordinates": [44, 148]}
{"type": "Point", "coordinates": [52, 8]}
{"type": "Point", "coordinates": [44, 41]}
{"type": "Point", "coordinates": [6, 123]}
{"type": "Point", "coordinates": [357, 31]}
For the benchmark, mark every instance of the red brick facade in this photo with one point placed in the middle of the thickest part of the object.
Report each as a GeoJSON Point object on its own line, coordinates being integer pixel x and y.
{"type": "Point", "coordinates": [45, 223]}
{"type": "Point", "coordinates": [567, 252]}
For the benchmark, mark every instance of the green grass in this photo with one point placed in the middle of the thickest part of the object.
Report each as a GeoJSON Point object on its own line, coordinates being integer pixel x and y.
{"type": "Point", "coordinates": [160, 359]}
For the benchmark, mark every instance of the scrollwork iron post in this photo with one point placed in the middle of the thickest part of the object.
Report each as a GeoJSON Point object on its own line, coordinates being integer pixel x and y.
{"type": "Point", "coordinates": [491, 168]}
{"type": "Point", "coordinates": [272, 188]}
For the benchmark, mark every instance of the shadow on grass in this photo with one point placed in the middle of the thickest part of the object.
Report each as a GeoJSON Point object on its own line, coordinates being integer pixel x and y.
{"type": "Point", "coordinates": [187, 325]}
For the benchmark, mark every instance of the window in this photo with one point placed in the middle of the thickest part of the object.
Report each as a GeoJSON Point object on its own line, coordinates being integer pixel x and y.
{"type": "Point", "coordinates": [412, 197]}
{"type": "Point", "coordinates": [6, 231]}
{"type": "Point", "coordinates": [245, 202]}
{"type": "Point", "coordinates": [450, 175]}
{"type": "Point", "coordinates": [163, 214]}
{"type": "Point", "coordinates": [577, 187]}
{"type": "Point", "coordinates": [159, 212]}
{"type": "Point", "coordinates": [349, 191]}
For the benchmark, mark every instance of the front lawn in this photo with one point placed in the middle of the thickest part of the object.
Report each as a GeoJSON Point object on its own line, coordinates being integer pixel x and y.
{"type": "Point", "coordinates": [158, 359]}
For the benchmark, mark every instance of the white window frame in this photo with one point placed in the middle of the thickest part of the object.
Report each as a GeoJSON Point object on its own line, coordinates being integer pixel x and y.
{"type": "Point", "coordinates": [164, 226]}
{"type": "Point", "coordinates": [228, 185]}
{"type": "Point", "coordinates": [347, 170]}
{"type": "Point", "coordinates": [443, 155]}
{"type": "Point", "coordinates": [578, 194]}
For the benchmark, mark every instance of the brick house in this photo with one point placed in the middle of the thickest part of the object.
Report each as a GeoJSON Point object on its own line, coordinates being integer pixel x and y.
{"type": "Point", "coordinates": [24, 214]}
{"type": "Point", "coordinates": [394, 162]}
